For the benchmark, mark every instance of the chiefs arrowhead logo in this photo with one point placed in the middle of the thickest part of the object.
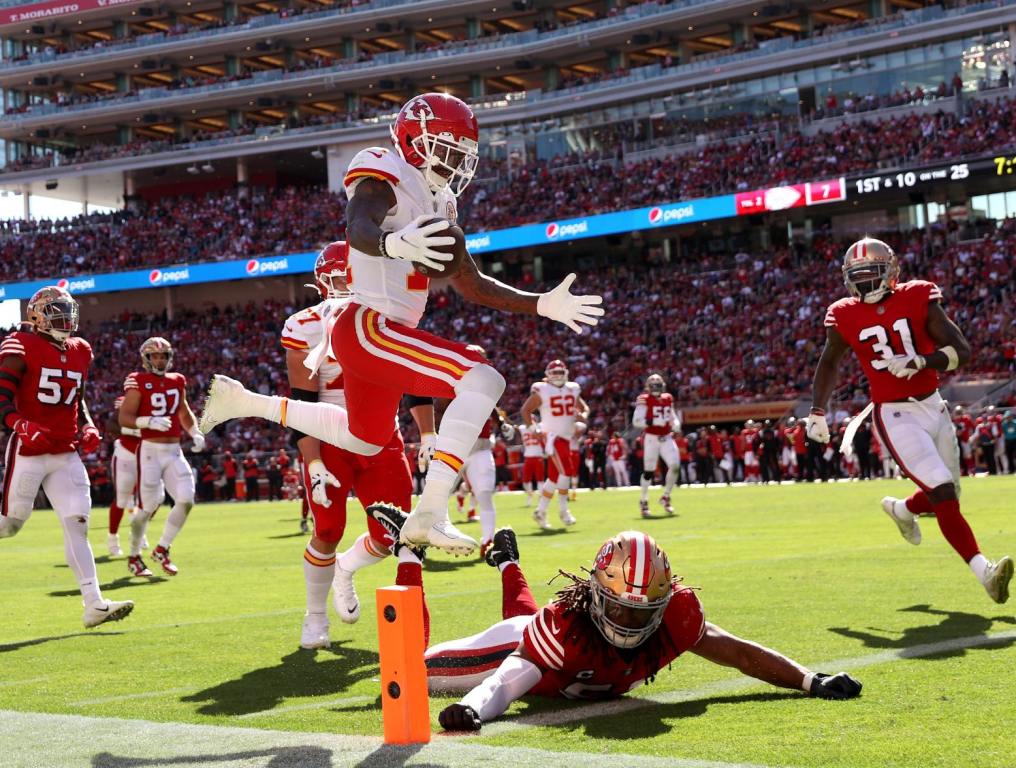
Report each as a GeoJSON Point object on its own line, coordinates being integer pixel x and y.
{"type": "Point", "coordinates": [62, 283]}
{"type": "Point", "coordinates": [155, 276]}
{"type": "Point", "coordinates": [252, 267]}
{"type": "Point", "coordinates": [552, 230]}
{"type": "Point", "coordinates": [418, 109]}
{"type": "Point", "coordinates": [656, 215]}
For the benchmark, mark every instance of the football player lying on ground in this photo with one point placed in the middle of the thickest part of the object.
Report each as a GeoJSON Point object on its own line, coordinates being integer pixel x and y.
{"type": "Point", "coordinates": [598, 639]}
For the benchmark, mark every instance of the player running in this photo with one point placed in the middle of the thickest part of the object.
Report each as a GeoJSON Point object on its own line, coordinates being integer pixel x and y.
{"type": "Point", "coordinates": [329, 472]}
{"type": "Point", "coordinates": [534, 441]}
{"type": "Point", "coordinates": [124, 467]}
{"type": "Point", "coordinates": [902, 338]}
{"type": "Point", "coordinates": [600, 638]}
{"type": "Point", "coordinates": [560, 404]}
{"type": "Point", "coordinates": [42, 402]}
{"type": "Point", "coordinates": [655, 416]}
{"type": "Point", "coordinates": [155, 401]}
{"type": "Point", "coordinates": [617, 453]}
{"type": "Point", "coordinates": [395, 193]}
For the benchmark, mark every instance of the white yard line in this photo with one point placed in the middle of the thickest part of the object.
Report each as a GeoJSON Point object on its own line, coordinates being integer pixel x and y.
{"type": "Point", "coordinates": [31, 740]}
{"type": "Point", "coordinates": [309, 705]}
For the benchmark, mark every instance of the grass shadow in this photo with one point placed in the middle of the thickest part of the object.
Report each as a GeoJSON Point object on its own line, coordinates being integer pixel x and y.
{"type": "Point", "coordinates": [296, 535]}
{"type": "Point", "coordinates": [303, 673]}
{"type": "Point", "coordinates": [280, 757]}
{"type": "Point", "coordinates": [390, 756]}
{"type": "Point", "coordinates": [953, 625]}
{"type": "Point", "coordinates": [112, 586]}
{"type": "Point", "coordinates": [7, 647]}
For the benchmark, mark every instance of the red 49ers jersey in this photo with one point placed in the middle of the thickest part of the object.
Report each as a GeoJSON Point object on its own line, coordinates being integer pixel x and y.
{"type": "Point", "coordinates": [659, 412]}
{"type": "Point", "coordinates": [578, 663]}
{"type": "Point", "coordinates": [616, 448]}
{"type": "Point", "coordinates": [160, 396]}
{"type": "Point", "coordinates": [49, 391]}
{"type": "Point", "coordinates": [897, 325]}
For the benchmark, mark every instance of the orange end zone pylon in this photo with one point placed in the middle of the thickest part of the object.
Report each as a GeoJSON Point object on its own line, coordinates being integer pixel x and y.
{"type": "Point", "coordinates": [404, 702]}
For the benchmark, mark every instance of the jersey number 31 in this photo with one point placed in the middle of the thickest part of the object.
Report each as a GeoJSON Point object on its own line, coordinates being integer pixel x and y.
{"type": "Point", "coordinates": [881, 342]}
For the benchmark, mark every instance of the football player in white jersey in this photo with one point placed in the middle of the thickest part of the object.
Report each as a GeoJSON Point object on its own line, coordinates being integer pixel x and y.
{"type": "Point", "coordinates": [395, 194]}
{"type": "Point", "coordinates": [534, 441]}
{"type": "Point", "coordinates": [329, 473]}
{"type": "Point", "coordinates": [560, 404]}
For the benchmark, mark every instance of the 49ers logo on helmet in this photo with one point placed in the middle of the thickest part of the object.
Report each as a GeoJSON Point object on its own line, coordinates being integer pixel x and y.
{"type": "Point", "coordinates": [604, 556]}
{"type": "Point", "coordinates": [419, 110]}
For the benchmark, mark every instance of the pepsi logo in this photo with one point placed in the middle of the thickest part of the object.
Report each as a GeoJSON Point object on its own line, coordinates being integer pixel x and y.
{"type": "Point", "coordinates": [552, 230]}
{"type": "Point", "coordinates": [155, 276]}
{"type": "Point", "coordinates": [62, 284]}
{"type": "Point", "coordinates": [656, 215]}
{"type": "Point", "coordinates": [252, 267]}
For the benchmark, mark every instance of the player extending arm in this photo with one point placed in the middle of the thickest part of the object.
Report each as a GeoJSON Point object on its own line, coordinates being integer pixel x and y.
{"type": "Point", "coordinates": [601, 637]}
{"type": "Point", "coordinates": [912, 420]}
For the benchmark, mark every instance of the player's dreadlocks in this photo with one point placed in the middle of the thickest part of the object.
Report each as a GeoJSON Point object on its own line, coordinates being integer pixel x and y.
{"type": "Point", "coordinates": [577, 596]}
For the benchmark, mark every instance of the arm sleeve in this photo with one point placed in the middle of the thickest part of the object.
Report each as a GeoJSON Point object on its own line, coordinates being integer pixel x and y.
{"type": "Point", "coordinates": [638, 419]}
{"type": "Point", "coordinates": [414, 400]}
{"type": "Point", "coordinates": [513, 679]}
{"type": "Point", "coordinates": [9, 382]}
{"type": "Point", "coordinates": [311, 396]}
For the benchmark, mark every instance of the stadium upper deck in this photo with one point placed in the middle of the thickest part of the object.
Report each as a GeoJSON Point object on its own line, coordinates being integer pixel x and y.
{"type": "Point", "coordinates": [117, 96]}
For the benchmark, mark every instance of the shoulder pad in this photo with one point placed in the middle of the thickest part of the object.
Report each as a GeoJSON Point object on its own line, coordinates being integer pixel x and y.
{"type": "Point", "coordinates": [372, 163]}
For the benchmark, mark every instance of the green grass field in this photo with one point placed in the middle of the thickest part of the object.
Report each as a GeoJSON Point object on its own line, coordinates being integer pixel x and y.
{"type": "Point", "coordinates": [817, 572]}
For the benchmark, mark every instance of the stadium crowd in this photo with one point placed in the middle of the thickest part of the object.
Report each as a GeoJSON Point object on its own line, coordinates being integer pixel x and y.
{"type": "Point", "coordinates": [224, 225]}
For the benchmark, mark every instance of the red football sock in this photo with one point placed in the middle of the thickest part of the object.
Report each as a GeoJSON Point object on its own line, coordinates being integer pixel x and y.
{"type": "Point", "coordinates": [919, 503]}
{"type": "Point", "coordinates": [516, 598]}
{"type": "Point", "coordinates": [955, 529]}
{"type": "Point", "coordinates": [115, 516]}
{"type": "Point", "coordinates": [411, 575]}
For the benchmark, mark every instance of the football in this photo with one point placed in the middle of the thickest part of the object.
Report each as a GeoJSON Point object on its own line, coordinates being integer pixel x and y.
{"type": "Point", "coordinates": [457, 249]}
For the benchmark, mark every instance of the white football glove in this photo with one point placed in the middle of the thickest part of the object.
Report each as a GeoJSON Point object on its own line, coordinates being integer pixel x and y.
{"type": "Point", "coordinates": [818, 428]}
{"type": "Point", "coordinates": [199, 442]}
{"type": "Point", "coordinates": [320, 479]}
{"type": "Point", "coordinates": [416, 241]}
{"type": "Point", "coordinates": [428, 443]}
{"type": "Point", "coordinates": [569, 309]}
{"type": "Point", "coordinates": [156, 423]}
{"type": "Point", "coordinates": [906, 366]}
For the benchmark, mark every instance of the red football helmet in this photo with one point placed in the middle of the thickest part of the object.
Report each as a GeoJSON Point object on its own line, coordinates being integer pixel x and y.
{"type": "Point", "coordinates": [438, 134]}
{"type": "Point", "coordinates": [556, 373]}
{"type": "Point", "coordinates": [330, 270]}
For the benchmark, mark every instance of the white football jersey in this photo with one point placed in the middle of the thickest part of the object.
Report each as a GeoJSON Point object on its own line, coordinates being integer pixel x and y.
{"type": "Point", "coordinates": [558, 407]}
{"type": "Point", "coordinates": [309, 329]}
{"type": "Point", "coordinates": [392, 286]}
{"type": "Point", "coordinates": [533, 440]}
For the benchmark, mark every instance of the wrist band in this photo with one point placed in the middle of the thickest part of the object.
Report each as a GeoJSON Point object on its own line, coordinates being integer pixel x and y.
{"type": "Point", "coordinates": [952, 356]}
{"type": "Point", "coordinates": [817, 412]}
{"type": "Point", "coordinates": [381, 244]}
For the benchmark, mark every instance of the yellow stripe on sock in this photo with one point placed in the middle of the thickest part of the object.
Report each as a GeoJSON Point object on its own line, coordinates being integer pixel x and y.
{"type": "Point", "coordinates": [320, 563]}
{"type": "Point", "coordinates": [450, 459]}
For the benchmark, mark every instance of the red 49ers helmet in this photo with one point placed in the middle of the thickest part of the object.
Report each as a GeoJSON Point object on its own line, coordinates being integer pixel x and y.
{"type": "Point", "coordinates": [438, 134]}
{"type": "Point", "coordinates": [556, 373]}
{"type": "Point", "coordinates": [331, 270]}
{"type": "Point", "coordinates": [870, 270]}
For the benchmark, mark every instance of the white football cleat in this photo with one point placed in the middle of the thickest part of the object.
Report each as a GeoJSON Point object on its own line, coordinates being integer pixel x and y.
{"type": "Point", "coordinates": [540, 516]}
{"type": "Point", "coordinates": [997, 578]}
{"type": "Point", "coordinates": [106, 610]}
{"type": "Point", "coordinates": [315, 631]}
{"type": "Point", "coordinates": [905, 520]}
{"type": "Point", "coordinates": [224, 401]}
{"type": "Point", "coordinates": [426, 529]}
{"type": "Point", "coordinates": [344, 597]}
{"type": "Point", "coordinates": [567, 517]}
{"type": "Point", "coordinates": [113, 544]}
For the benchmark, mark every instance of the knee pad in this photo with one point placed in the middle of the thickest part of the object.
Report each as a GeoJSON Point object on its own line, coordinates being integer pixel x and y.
{"type": "Point", "coordinates": [9, 526]}
{"type": "Point", "coordinates": [648, 476]}
{"type": "Point", "coordinates": [484, 380]}
{"type": "Point", "coordinates": [563, 483]}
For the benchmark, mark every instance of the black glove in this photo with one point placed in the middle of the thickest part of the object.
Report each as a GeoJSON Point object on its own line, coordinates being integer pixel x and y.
{"type": "Point", "coordinates": [459, 717]}
{"type": "Point", "coordinates": [839, 686]}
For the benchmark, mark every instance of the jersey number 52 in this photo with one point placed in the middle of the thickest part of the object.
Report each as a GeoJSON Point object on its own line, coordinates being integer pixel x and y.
{"type": "Point", "coordinates": [881, 346]}
{"type": "Point", "coordinates": [562, 405]}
